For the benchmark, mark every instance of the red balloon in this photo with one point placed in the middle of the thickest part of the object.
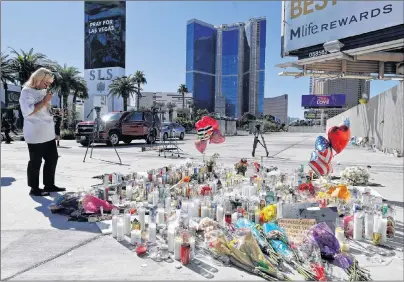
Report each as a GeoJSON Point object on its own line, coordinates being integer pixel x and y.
{"type": "Point", "coordinates": [217, 137]}
{"type": "Point", "coordinates": [339, 137]}
{"type": "Point", "coordinates": [201, 145]}
{"type": "Point", "coordinates": [207, 121]}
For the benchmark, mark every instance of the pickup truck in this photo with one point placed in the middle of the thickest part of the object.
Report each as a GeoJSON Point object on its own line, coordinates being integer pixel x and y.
{"type": "Point", "coordinates": [120, 126]}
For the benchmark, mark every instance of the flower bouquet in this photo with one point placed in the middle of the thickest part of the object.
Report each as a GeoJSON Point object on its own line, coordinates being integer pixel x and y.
{"type": "Point", "coordinates": [339, 192]}
{"type": "Point", "coordinates": [307, 189]}
{"type": "Point", "coordinates": [210, 164]}
{"type": "Point", "coordinates": [355, 175]}
{"type": "Point", "coordinates": [241, 166]}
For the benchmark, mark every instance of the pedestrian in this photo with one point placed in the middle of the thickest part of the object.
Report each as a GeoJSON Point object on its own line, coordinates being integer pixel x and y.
{"type": "Point", "coordinates": [39, 132]}
{"type": "Point", "coordinates": [6, 128]}
{"type": "Point", "coordinates": [58, 122]}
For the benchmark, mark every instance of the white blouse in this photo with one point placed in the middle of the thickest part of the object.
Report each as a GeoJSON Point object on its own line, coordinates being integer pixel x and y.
{"type": "Point", "coordinates": [39, 127]}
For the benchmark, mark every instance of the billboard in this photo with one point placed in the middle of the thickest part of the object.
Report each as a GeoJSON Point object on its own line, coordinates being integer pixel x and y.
{"type": "Point", "coordinates": [306, 23]}
{"type": "Point", "coordinates": [323, 101]}
{"type": "Point", "coordinates": [105, 28]}
{"type": "Point", "coordinates": [314, 115]}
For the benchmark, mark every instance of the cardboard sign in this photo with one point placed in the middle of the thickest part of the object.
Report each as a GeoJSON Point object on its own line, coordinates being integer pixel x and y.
{"type": "Point", "coordinates": [327, 215]}
{"type": "Point", "coordinates": [294, 210]}
{"type": "Point", "coordinates": [296, 229]}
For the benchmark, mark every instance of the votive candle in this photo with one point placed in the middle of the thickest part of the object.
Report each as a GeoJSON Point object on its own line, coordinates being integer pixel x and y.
{"type": "Point", "coordinates": [135, 237]}
{"type": "Point", "coordinates": [141, 213]}
{"type": "Point", "coordinates": [152, 232]}
{"type": "Point", "coordinates": [160, 216]}
{"type": "Point", "coordinates": [383, 230]}
{"type": "Point", "coordinates": [177, 248]}
{"type": "Point", "coordinates": [127, 224]}
{"type": "Point", "coordinates": [358, 227]}
{"type": "Point", "coordinates": [220, 214]}
{"type": "Point", "coordinates": [120, 231]}
{"type": "Point", "coordinates": [369, 221]}
{"type": "Point", "coordinates": [170, 238]}
{"type": "Point", "coordinates": [114, 225]}
{"type": "Point", "coordinates": [204, 211]}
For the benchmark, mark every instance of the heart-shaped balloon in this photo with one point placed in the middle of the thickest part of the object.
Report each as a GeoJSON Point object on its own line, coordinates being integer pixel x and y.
{"type": "Point", "coordinates": [217, 137]}
{"type": "Point", "coordinates": [207, 121]}
{"type": "Point", "coordinates": [321, 144]}
{"type": "Point", "coordinates": [339, 136]}
{"type": "Point", "coordinates": [201, 145]}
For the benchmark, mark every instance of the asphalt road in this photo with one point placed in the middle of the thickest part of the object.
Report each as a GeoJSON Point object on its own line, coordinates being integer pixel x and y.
{"type": "Point", "coordinates": [36, 244]}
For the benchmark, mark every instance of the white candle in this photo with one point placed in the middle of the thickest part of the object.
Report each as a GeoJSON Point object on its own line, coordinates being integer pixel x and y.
{"type": "Point", "coordinates": [170, 238]}
{"type": "Point", "coordinates": [155, 198]}
{"type": "Point", "coordinates": [214, 187]}
{"type": "Point", "coordinates": [168, 203]}
{"type": "Point", "coordinates": [252, 191]}
{"type": "Point", "coordinates": [220, 214]}
{"type": "Point", "coordinates": [358, 227]}
{"type": "Point", "coordinates": [135, 237]}
{"type": "Point", "coordinates": [204, 212]}
{"type": "Point", "coordinates": [129, 193]}
{"type": "Point", "coordinates": [152, 232]}
{"type": "Point", "coordinates": [376, 219]}
{"type": "Point", "coordinates": [369, 218]}
{"type": "Point", "coordinates": [160, 216]}
{"type": "Point", "coordinates": [234, 217]}
{"type": "Point", "coordinates": [150, 198]}
{"type": "Point", "coordinates": [339, 234]}
{"type": "Point", "coordinates": [177, 248]}
{"type": "Point", "coordinates": [114, 223]}
{"type": "Point", "coordinates": [257, 217]}
{"type": "Point", "coordinates": [141, 213]}
{"type": "Point", "coordinates": [192, 245]}
{"type": "Point", "coordinates": [383, 230]}
{"type": "Point", "coordinates": [120, 231]}
{"type": "Point", "coordinates": [279, 210]}
{"type": "Point", "coordinates": [127, 224]}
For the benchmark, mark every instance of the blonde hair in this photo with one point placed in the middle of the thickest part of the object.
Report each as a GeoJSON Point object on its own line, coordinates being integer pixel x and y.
{"type": "Point", "coordinates": [38, 76]}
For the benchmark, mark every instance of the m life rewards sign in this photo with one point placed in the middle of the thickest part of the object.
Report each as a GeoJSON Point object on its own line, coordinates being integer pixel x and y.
{"type": "Point", "coordinates": [323, 101]}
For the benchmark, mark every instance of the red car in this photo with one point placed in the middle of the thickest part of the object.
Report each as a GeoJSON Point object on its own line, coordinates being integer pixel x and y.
{"type": "Point", "coordinates": [120, 126]}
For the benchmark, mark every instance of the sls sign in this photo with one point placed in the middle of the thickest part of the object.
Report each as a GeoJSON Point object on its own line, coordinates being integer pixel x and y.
{"type": "Point", "coordinates": [98, 80]}
{"type": "Point", "coordinates": [308, 23]}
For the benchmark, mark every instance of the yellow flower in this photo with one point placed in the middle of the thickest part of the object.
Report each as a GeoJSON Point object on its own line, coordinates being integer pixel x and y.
{"type": "Point", "coordinates": [269, 213]}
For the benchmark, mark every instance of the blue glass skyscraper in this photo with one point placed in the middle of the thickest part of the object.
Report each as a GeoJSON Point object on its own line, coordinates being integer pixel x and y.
{"type": "Point", "coordinates": [201, 63]}
{"type": "Point", "coordinates": [238, 56]}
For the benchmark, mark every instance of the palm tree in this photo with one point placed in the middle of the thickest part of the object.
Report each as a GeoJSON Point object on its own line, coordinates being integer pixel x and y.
{"type": "Point", "coordinates": [24, 64]}
{"type": "Point", "coordinates": [80, 91]}
{"type": "Point", "coordinates": [170, 106]}
{"type": "Point", "coordinates": [7, 73]}
{"type": "Point", "coordinates": [182, 89]}
{"type": "Point", "coordinates": [124, 87]}
{"type": "Point", "coordinates": [160, 106]}
{"type": "Point", "coordinates": [140, 80]}
{"type": "Point", "coordinates": [65, 78]}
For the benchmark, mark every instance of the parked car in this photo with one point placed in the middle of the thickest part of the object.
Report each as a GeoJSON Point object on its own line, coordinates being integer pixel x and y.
{"type": "Point", "coordinates": [120, 126]}
{"type": "Point", "coordinates": [172, 130]}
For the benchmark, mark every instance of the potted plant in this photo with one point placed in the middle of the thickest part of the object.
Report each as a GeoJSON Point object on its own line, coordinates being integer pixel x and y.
{"type": "Point", "coordinates": [211, 162]}
{"type": "Point", "coordinates": [241, 166]}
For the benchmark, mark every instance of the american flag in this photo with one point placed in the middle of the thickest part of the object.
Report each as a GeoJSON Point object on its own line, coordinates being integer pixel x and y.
{"type": "Point", "coordinates": [318, 165]}
{"type": "Point", "coordinates": [205, 133]}
{"type": "Point", "coordinates": [326, 155]}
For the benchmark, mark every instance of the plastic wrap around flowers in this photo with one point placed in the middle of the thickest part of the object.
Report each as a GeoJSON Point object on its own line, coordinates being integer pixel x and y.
{"type": "Point", "coordinates": [207, 129]}
{"type": "Point", "coordinates": [338, 139]}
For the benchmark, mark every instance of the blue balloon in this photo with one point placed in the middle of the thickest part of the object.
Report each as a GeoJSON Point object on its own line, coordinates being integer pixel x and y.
{"type": "Point", "coordinates": [347, 122]}
{"type": "Point", "coordinates": [321, 144]}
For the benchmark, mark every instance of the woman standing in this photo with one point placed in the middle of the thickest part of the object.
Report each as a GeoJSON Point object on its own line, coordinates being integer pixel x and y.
{"type": "Point", "coordinates": [58, 122]}
{"type": "Point", "coordinates": [39, 132]}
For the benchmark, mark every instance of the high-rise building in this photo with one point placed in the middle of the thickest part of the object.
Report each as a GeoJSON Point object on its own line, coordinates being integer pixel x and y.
{"type": "Point", "coordinates": [277, 107]}
{"type": "Point", "coordinates": [239, 65]}
{"type": "Point", "coordinates": [201, 63]}
{"type": "Point", "coordinates": [353, 89]}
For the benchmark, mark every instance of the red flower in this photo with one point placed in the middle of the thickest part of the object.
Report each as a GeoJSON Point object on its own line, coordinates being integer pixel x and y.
{"type": "Point", "coordinates": [320, 273]}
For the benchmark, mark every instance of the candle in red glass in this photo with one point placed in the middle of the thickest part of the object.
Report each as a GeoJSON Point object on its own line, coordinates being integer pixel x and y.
{"type": "Point", "coordinates": [185, 253]}
{"type": "Point", "coordinates": [227, 218]}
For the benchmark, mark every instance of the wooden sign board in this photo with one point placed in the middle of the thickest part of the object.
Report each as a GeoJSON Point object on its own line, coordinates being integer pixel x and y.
{"type": "Point", "coordinates": [296, 229]}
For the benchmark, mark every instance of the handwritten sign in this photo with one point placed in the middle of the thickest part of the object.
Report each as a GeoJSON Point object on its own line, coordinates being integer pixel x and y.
{"type": "Point", "coordinates": [296, 229]}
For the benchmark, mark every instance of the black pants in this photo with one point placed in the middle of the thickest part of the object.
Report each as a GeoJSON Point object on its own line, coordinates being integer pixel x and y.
{"type": "Point", "coordinates": [7, 134]}
{"type": "Point", "coordinates": [37, 152]}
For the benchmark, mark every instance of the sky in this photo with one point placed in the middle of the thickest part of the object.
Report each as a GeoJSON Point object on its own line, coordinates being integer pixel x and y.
{"type": "Point", "coordinates": [155, 39]}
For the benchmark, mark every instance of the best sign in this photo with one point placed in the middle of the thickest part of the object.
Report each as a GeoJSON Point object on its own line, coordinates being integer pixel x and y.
{"type": "Point", "coordinates": [308, 23]}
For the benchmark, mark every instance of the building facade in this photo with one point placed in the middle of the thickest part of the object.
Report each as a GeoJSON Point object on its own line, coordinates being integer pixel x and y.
{"type": "Point", "coordinates": [148, 98]}
{"type": "Point", "coordinates": [352, 88]}
{"type": "Point", "coordinates": [277, 107]}
{"type": "Point", "coordinates": [231, 64]}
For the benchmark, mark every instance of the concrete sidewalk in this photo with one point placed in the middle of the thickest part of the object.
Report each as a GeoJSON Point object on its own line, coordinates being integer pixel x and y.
{"type": "Point", "coordinates": [39, 245]}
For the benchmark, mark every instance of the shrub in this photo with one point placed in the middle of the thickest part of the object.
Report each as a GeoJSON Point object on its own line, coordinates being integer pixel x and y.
{"type": "Point", "coordinates": [67, 134]}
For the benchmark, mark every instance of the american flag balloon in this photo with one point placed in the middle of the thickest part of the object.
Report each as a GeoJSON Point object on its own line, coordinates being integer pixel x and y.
{"type": "Point", "coordinates": [321, 144]}
{"type": "Point", "coordinates": [318, 165]}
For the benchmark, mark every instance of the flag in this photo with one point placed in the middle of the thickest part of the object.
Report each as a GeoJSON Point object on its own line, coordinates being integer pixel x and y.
{"type": "Point", "coordinates": [318, 165]}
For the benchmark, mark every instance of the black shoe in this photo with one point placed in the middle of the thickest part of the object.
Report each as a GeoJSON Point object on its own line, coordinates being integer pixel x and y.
{"type": "Point", "coordinates": [38, 192]}
{"type": "Point", "coordinates": [54, 188]}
